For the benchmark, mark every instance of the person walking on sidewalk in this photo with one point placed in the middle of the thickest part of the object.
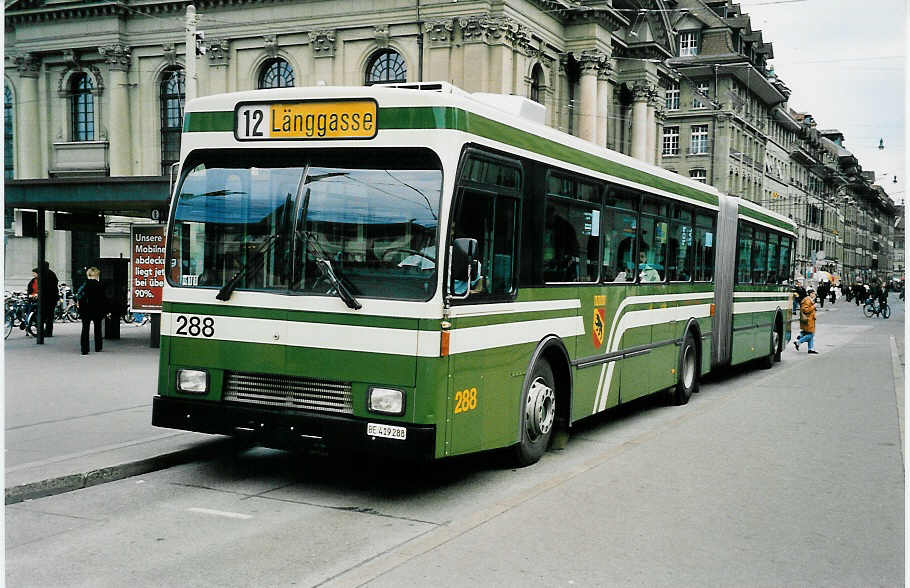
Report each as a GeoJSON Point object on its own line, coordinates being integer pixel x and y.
{"type": "Point", "coordinates": [51, 288]}
{"type": "Point", "coordinates": [807, 322]}
{"type": "Point", "coordinates": [92, 308]}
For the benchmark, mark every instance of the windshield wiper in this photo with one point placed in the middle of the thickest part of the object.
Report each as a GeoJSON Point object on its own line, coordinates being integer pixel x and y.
{"type": "Point", "coordinates": [259, 254]}
{"type": "Point", "coordinates": [325, 267]}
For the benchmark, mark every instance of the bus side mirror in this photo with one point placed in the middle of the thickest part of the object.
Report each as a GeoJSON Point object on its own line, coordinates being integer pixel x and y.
{"type": "Point", "coordinates": [465, 267]}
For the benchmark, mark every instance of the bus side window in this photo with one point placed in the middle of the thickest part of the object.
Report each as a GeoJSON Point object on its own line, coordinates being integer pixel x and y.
{"type": "Point", "coordinates": [491, 221]}
{"type": "Point", "coordinates": [620, 232]}
{"type": "Point", "coordinates": [744, 255]}
{"type": "Point", "coordinates": [704, 248]}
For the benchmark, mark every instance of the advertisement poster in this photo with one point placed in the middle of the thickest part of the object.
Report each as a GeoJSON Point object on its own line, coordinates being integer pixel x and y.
{"type": "Point", "coordinates": [146, 267]}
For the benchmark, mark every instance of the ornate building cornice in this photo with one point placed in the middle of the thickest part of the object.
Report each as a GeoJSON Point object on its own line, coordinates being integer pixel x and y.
{"type": "Point", "coordinates": [218, 52]}
{"type": "Point", "coordinates": [591, 62]}
{"type": "Point", "coordinates": [643, 91]}
{"type": "Point", "coordinates": [28, 65]}
{"type": "Point", "coordinates": [270, 42]}
{"type": "Point", "coordinates": [494, 30]}
{"type": "Point", "coordinates": [117, 56]}
{"type": "Point", "coordinates": [323, 43]}
{"type": "Point", "coordinates": [440, 31]}
{"type": "Point", "coordinates": [381, 35]}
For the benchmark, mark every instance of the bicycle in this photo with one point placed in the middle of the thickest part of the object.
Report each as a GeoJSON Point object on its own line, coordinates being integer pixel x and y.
{"type": "Point", "coordinates": [20, 312]}
{"type": "Point", "coordinates": [870, 309]}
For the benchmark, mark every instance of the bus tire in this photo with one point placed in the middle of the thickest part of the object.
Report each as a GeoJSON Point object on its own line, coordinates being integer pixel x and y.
{"type": "Point", "coordinates": [777, 338]}
{"type": "Point", "coordinates": [687, 374]}
{"type": "Point", "coordinates": [538, 414]}
{"type": "Point", "coordinates": [767, 362]}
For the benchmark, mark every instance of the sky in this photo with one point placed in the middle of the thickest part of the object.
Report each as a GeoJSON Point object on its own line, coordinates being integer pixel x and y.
{"type": "Point", "coordinates": [845, 62]}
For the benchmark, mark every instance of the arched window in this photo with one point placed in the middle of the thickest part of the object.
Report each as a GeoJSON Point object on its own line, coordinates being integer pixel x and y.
{"type": "Point", "coordinates": [276, 73]}
{"type": "Point", "coordinates": [173, 95]}
{"type": "Point", "coordinates": [386, 67]}
{"type": "Point", "coordinates": [536, 83]}
{"type": "Point", "coordinates": [82, 103]}
{"type": "Point", "coordinates": [8, 158]}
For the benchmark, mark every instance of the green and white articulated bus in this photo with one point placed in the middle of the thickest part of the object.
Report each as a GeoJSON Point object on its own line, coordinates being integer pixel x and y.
{"type": "Point", "coordinates": [418, 271]}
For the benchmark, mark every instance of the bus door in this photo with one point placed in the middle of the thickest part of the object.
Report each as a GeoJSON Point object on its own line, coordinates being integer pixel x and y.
{"type": "Point", "coordinates": [483, 392]}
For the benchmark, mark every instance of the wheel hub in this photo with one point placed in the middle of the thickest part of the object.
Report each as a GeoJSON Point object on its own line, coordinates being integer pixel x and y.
{"type": "Point", "coordinates": [540, 409]}
{"type": "Point", "coordinates": [689, 367]}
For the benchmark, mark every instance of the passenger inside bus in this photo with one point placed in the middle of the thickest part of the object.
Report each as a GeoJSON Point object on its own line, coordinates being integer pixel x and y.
{"type": "Point", "coordinates": [647, 271]}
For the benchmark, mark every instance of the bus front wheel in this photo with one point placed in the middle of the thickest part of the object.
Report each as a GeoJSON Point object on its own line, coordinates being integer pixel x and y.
{"type": "Point", "coordinates": [538, 414]}
{"type": "Point", "coordinates": [687, 374]}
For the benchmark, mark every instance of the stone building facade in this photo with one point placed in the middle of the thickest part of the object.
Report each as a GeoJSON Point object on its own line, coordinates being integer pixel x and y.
{"type": "Point", "coordinates": [728, 122]}
{"type": "Point", "coordinates": [94, 92]}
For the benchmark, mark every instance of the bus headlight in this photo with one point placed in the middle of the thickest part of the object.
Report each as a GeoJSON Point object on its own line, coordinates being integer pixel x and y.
{"type": "Point", "coordinates": [193, 381]}
{"type": "Point", "coordinates": [386, 401]}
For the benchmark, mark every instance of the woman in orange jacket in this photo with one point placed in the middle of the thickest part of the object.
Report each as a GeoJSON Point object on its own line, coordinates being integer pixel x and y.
{"type": "Point", "coordinates": [807, 322]}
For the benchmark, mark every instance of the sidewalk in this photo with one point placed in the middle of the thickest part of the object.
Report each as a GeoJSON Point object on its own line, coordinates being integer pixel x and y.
{"type": "Point", "coordinates": [74, 421]}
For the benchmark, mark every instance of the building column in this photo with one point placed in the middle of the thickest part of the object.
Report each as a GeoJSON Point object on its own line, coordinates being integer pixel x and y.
{"type": "Point", "coordinates": [28, 145]}
{"type": "Point", "coordinates": [219, 54]}
{"type": "Point", "coordinates": [604, 102]}
{"type": "Point", "coordinates": [652, 131]}
{"type": "Point", "coordinates": [660, 114]}
{"type": "Point", "coordinates": [118, 57]}
{"type": "Point", "coordinates": [587, 89]}
{"type": "Point", "coordinates": [640, 96]}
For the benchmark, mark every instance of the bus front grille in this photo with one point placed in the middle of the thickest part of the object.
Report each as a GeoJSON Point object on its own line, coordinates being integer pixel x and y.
{"type": "Point", "coordinates": [288, 392]}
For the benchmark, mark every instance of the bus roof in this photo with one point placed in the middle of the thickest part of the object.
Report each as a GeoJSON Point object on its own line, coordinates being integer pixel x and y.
{"type": "Point", "coordinates": [439, 105]}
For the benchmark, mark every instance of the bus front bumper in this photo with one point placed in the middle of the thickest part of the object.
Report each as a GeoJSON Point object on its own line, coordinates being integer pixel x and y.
{"type": "Point", "coordinates": [288, 430]}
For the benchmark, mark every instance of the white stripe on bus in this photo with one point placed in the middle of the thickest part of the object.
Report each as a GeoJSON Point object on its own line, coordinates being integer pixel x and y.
{"type": "Point", "coordinates": [513, 307]}
{"type": "Point", "coordinates": [642, 318]}
{"type": "Point", "coordinates": [373, 339]}
{"type": "Point", "coordinates": [502, 335]}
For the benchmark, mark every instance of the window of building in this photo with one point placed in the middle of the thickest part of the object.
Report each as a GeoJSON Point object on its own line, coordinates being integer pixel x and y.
{"type": "Point", "coordinates": [673, 96]}
{"type": "Point", "coordinates": [699, 175]}
{"type": "Point", "coordinates": [702, 95]}
{"type": "Point", "coordinates": [82, 107]}
{"type": "Point", "coordinates": [671, 141]}
{"type": "Point", "coordinates": [8, 157]}
{"type": "Point", "coordinates": [536, 83]}
{"type": "Point", "coordinates": [386, 67]}
{"type": "Point", "coordinates": [276, 73]}
{"type": "Point", "coordinates": [172, 96]}
{"type": "Point", "coordinates": [688, 43]}
{"type": "Point", "coordinates": [699, 140]}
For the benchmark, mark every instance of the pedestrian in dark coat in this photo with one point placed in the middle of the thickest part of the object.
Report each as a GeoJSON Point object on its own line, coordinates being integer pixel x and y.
{"type": "Point", "coordinates": [92, 307]}
{"type": "Point", "coordinates": [799, 293]}
{"type": "Point", "coordinates": [51, 288]}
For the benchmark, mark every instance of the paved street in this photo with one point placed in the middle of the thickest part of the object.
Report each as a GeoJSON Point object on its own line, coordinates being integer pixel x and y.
{"type": "Point", "coordinates": [792, 476]}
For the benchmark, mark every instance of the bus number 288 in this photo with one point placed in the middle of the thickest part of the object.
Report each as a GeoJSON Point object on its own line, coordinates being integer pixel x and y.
{"type": "Point", "coordinates": [195, 326]}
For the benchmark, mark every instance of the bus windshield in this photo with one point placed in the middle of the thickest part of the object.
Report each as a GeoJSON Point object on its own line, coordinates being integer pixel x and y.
{"type": "Point", "coordinates": [265, 220]}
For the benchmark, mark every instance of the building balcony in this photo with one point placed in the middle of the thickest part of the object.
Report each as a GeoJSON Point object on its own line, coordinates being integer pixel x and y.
{"type": "Point", "coordinates": [80, 158]}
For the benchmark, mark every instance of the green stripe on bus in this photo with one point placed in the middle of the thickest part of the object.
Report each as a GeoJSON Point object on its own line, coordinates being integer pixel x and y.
{"type": "Point", "coordinates": [446, 117]}
{"type": "Point", "coordinates": [207, 122]}
{"type": "Point", "coordinates": [754, 214]}
{"type": "Point", "coordinates": [292, 315]}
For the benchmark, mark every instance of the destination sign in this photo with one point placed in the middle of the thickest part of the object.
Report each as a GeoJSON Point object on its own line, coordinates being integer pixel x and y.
{"type": "Point", "coordinates": [337, 119]}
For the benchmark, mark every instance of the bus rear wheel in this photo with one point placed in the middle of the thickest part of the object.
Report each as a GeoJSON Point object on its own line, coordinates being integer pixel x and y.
{"type": "Point", "coordinates": [687, 374]}
{"type": "Point", "coordinates": [538, 414]}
